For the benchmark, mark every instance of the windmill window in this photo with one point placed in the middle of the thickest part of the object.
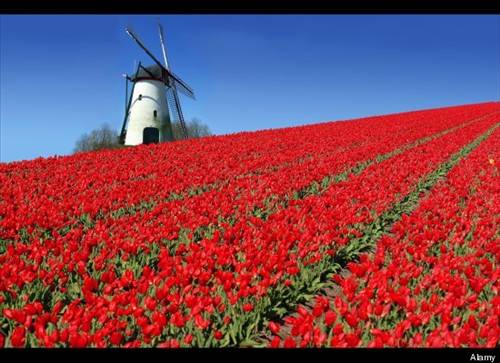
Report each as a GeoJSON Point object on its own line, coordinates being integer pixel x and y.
{"type": "Point", "coordinates": [140, 97]}
{"type": "Point", "coordinates": [155, 113]}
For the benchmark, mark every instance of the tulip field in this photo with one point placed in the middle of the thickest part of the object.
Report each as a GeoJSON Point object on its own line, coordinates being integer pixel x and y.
{"type": "Point", "coordinates": [382, 231]}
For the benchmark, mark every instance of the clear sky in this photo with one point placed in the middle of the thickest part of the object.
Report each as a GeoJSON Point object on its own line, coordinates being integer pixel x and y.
{"type": "Point", "coordinates": [60, 76]}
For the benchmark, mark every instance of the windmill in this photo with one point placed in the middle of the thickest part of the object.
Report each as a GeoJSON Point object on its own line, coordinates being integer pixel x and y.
{"type": "Point", "coordinates": [154, 99]}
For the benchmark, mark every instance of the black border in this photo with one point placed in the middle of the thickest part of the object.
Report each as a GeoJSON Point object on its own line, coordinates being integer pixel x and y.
{"type": "Point", "coordinates": [249, 7]}
{"type": "Point", "coordinates": [455, 355]}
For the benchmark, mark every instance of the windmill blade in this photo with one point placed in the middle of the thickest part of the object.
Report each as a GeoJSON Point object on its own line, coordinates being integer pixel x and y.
{"type": "Point", "coordinates": [179, 83]}
{"type": "Point", "coordinates": [181, 86]}
{"type": "Point", "coordinates": [162, 42]}
{"type": "Point", "coordinates": [179, 112]}
{"type": "Point", "coordinates": [174, 113]}
{"type": "Point", "coordinates": [141, 44]}
{"type": "Point", "coordinates": [175, 109]}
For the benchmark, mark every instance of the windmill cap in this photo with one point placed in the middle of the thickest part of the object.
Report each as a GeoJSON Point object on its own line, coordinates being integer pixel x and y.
{"type": "Point", "coordinates": [152, 72]}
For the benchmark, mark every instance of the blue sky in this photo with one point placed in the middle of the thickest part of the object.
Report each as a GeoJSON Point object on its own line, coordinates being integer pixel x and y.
{"type": "Point", "coordinates": [60, 76]}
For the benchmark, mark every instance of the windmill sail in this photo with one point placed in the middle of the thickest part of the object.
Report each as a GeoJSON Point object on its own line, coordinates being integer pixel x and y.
{"type": "Point", "coordinates": [141, 45]}
{"type": "Point", "coordinates": [176, 83]}
{"type": "Point", "coordinates": [167, 76]}
{"type": "Point", "coordinates": [181, 86]}
{"type": "Point", "coordinates": [162, 42]}
{"type": "Point", "coordinates": [175, 110]}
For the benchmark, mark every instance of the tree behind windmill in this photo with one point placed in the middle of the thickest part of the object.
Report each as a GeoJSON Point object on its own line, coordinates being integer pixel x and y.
{"type": "Point", "coordinates": [194, 128]}
{"type": "Point", "coordinates": [102, 138]}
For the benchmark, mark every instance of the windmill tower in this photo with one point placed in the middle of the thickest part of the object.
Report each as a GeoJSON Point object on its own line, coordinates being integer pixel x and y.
{"type": "Point", "coordinates": [154, 100]}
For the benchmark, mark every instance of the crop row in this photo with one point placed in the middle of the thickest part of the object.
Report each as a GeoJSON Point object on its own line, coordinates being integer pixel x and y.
{"type": "Point", "coordinates": [433, 281]}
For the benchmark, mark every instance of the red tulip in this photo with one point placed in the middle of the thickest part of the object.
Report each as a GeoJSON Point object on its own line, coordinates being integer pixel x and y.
{"type": "Point", "coordinates": [116, 338]}
{"type": "Point", "coordinates": [289, 343]}
{"type": "Point", "coordinates": [330, 318]}
{"type": "Point", "coordinates": [188, 339]}
{"type": "Point", "coordinates": [275, 328]}
{"type": "Point", "coordinates": [218, 335]}
{"type": "Point", "coordinates": [275, 342]}
{"type": "Point", "coordinates": [18, 337]}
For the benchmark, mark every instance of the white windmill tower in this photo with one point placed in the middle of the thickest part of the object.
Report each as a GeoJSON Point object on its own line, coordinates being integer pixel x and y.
{"type": "Point", "coordinates": [154, 102]}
